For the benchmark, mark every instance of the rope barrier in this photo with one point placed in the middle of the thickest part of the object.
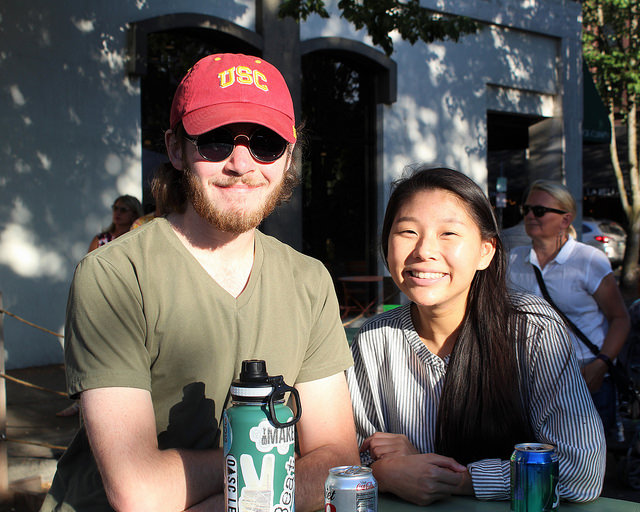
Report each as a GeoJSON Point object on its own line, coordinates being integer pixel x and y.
{"type": "Point", "coordinates": [349, 322]}
{"type": "Point", "coordinates": [29, 385]}
{"type": "Point", "coordinates": [30, 324]}
{"type": "Point", "coordinates": [34, 443]}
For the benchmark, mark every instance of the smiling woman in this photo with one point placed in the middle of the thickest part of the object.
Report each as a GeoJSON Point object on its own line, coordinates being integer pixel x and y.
{"type": "Point", "coordinates": [434, 250]}
{"type": "Point", "coordinates": [444, 387]}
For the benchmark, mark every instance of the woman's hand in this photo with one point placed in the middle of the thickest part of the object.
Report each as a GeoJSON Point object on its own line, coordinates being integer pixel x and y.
{"type": "Point", "coordinates": [423, 478]}
{"type": "Point", "coordinates": [383, 444]}
{"type": "Point", "coordinates": [594, 373]}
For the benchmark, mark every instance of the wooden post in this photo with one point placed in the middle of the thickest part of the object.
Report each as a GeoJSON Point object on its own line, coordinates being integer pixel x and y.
{"type": "Point", "coordinates": [4, 460]}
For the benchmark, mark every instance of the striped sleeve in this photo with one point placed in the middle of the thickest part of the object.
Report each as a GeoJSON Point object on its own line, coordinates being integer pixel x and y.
{"type": "Point", "coordinates": [561, 412]}
{"type": "Point", "coordinates": [561, 409]}
{"type": "Point", "coordinates": [491, 479]}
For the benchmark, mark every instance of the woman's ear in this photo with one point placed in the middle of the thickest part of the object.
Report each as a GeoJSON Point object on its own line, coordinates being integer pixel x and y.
{"type": "Point", "coordinates": [567, 219]}
{"type": "Point", "coordinates": [174, 148]}
{"type": "Point", "coordinates": [487, 251]}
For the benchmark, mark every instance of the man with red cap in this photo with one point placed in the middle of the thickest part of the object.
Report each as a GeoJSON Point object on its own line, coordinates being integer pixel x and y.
{"type": "Point", "coordinates": [159, 321]}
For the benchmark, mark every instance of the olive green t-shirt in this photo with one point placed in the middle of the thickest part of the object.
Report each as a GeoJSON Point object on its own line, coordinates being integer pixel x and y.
{"type": "Point", "coordinates": [143, 313]}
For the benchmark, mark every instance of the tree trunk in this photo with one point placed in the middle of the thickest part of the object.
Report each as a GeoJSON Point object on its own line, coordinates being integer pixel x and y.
{"type": "Point", "coordinates": [629, 278]}
{"type": "Point", "coordinates": [630, 265]}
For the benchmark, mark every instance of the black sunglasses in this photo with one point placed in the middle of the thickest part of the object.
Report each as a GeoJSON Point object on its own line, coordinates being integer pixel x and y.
{"type": "Point", "coordinates": [265, 145]}
{"type": "Point", "coordinates": [538, 211]}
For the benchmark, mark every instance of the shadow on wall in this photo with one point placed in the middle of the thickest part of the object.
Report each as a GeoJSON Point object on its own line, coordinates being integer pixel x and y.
{"type": "Point", "coordinates": [441, 113]}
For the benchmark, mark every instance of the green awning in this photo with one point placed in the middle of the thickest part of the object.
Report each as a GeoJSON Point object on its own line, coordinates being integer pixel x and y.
{"type": "Point", "coordinates": [596, 127]}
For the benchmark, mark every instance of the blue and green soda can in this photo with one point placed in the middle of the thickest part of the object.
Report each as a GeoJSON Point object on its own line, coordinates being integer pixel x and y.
{"type": "Point", "coordinates": [534, 478]}
{"type": "Point", "coordinates": [259, 442]}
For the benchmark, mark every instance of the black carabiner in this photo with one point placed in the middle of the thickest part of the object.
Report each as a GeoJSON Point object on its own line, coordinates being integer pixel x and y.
{"type": "Point", "coordinates": [279, 389]}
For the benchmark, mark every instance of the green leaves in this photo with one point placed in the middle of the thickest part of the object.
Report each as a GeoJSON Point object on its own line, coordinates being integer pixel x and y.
{"type": "Point", "coordinates": [382, 17]}
{"type": "Point", "coordinates": [611, 46]}
{"type": "Point", "coordinates": [301, 9]}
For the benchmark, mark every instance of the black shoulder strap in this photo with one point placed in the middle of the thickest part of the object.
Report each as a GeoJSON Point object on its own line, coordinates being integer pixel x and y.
{"type": "Point", "coordinates": [591, 346]}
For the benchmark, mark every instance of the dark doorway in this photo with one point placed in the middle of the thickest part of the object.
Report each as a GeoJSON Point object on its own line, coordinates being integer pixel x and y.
{"type": "Point", "coordinates": [170, 54]}
{"type": "Point", "coordinates": [507, 155]}
{"type": "Point", "coordinates": [339, 179]}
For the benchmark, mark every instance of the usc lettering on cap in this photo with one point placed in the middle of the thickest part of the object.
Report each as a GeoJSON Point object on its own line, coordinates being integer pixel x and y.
{"type": "Point", "coordinates": [243, 75]}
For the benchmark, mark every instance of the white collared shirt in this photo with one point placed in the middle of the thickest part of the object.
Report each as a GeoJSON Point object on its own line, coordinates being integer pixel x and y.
{"type": "Point", "coordinates": [572, 278]}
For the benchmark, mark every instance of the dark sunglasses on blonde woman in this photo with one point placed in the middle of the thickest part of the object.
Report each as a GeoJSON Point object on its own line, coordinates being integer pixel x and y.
{"type": "Point", "coordinates": [538, 211]}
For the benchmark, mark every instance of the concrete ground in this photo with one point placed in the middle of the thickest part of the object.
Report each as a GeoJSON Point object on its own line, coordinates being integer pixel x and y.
{"type": "Point", "coordinates": [31, 418]}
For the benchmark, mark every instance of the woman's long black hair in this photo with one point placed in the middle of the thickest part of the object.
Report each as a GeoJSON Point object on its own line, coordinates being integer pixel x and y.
{"type": "Point", "coordinates": [483, 410]}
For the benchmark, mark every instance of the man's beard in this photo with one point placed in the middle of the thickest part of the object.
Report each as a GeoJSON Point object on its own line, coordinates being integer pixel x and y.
{"type": "Point", "coordinates": [234, 220]}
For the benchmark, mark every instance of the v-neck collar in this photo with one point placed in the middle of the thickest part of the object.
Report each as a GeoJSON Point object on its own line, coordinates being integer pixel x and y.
{"type": "Point", "coordinates": [254, 276]}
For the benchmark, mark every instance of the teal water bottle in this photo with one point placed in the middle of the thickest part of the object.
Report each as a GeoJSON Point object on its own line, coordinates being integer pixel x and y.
{"type": "Point", "coordinates": [259, 442]}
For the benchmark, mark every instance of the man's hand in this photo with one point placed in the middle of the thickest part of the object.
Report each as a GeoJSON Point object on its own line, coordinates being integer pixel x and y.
{"type": "Point", "coordinates": [422, 479]}
{"type": "Point", "coordinates": [384, 444]}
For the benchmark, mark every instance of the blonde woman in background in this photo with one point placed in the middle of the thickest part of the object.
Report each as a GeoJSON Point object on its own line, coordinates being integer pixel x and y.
{"type": "Point", "coordinates": [579, 280]}
{"type": "Point", "coordinates": [125, 209]}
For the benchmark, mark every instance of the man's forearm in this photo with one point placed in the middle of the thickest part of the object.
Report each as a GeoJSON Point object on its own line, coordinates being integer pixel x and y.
{"type": "Point", "coordinates": [177, 479]}
{"type": "Point", "coordinates": [312, 471]}
{"type": "Point", "coordinates": [212, 479]}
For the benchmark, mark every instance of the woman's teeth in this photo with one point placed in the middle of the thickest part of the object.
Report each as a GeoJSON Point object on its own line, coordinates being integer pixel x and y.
{"type": "Point", "coordinates": [427, 275]}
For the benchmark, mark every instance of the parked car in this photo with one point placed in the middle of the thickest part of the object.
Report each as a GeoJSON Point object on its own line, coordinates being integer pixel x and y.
{"type": "Point", "coordinates": [606, 235]}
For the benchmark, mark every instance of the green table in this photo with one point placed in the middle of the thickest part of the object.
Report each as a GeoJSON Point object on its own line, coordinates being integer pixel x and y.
{"type": "Point", "coordinates": [387, 503]}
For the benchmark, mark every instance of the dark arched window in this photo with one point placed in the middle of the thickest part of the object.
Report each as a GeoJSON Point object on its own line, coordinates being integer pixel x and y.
{"type": "Point", "coordinates": [343, 84]}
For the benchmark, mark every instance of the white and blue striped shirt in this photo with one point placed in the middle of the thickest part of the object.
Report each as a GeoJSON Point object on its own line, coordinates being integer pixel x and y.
{"type": "Point", "coordinates": [396, 383]}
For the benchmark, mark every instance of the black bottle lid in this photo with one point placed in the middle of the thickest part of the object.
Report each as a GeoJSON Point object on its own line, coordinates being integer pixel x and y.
{"type": "Point", "coordinates": [254, 385]}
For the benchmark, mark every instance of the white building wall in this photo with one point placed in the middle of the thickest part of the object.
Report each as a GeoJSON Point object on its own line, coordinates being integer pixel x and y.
{"type": "Point", "coordinates": [70, 144]}
{"type": "Point", "coordinates": [70, 122]}
{"type": "Point", "coordinates": [516, 63]}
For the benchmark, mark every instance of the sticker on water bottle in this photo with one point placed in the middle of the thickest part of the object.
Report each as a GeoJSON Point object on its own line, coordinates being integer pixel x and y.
{"type": "Point", "coordinates": [257, 493]}
{"type": "Point", "coordinates": [227, 434]}
{"type": "Point", "coordinates": [231, 484]}
{"type": "Point", "coordinates": [266, 437]}
{"type": "Point", "coordinates": [288, 488]}
{"type": "Point", "coordinates": [248, 492]}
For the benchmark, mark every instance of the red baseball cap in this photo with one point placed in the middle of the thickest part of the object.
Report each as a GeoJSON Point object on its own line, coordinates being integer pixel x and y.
{"type": "Point", "coordinates": [227, 88]}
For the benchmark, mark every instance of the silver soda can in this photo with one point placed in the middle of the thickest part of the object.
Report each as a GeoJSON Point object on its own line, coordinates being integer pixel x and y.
{"type": "Point", "coordinates": [350, 489]}
{"type": "Point", "coordinates": [534, 478]}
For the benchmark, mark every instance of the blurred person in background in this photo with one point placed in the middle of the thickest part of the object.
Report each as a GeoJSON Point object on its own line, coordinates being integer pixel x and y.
{"type": "Point", "coordinates": [580, 281]}
{"type": "Point", "coordinates": [125, 209]}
